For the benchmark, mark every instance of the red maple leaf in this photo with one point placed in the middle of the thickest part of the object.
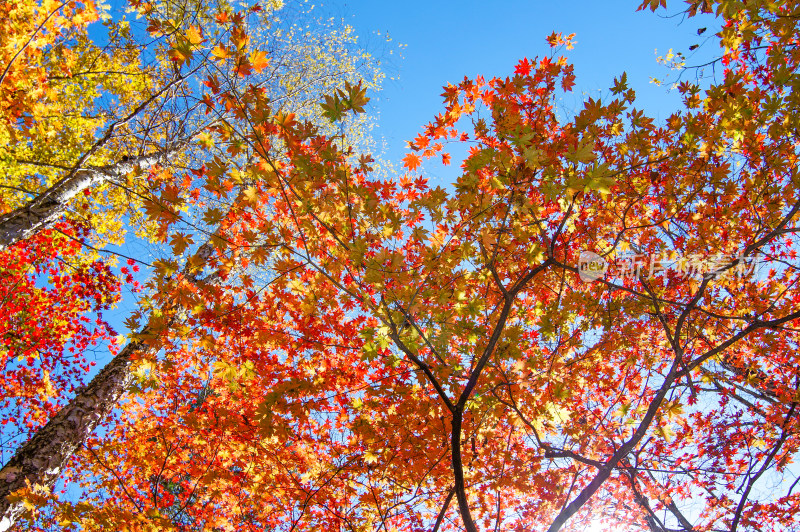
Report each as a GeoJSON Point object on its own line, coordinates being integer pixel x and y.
{"type": "Point", "coordinates": [523, 67]}
{"type": "Point", "coordinates": [411, 161]}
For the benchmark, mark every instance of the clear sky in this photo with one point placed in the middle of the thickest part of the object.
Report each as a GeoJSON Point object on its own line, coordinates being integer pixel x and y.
{"type": "Point", "coordinates": [446, 40]}
{"type": "Point", "coordinates": [435, 42]}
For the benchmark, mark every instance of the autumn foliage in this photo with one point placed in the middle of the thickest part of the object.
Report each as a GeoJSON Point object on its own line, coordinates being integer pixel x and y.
{"type": "Point", "coordinates": [51, 323]}
{"type": "Point", "coordinates": [319, 346]}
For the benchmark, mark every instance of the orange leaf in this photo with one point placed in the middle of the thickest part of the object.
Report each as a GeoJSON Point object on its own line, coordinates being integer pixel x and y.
{"type": "Point", "coordinates": [259, 61]}
{"type": "Point", "coordinates": [220, 52]}
{"type": "Point", "coordinates": [411, 161]}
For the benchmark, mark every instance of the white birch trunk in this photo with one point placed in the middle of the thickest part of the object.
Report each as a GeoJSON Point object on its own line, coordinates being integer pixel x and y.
{"type": "Point", "coordinates": [48, 206]}
{"type": "Point", "coordinates": [42, 458]}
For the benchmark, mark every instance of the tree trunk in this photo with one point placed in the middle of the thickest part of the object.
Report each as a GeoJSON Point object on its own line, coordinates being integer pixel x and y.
{"type": "Point", "coordinates": [42, 458]}
{"type": "Point", "coordinates": [48, 206]}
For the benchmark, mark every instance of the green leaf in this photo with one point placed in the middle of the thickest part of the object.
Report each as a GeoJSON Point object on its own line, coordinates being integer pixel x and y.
{"type": "Point", "coordinates": [583, 153]}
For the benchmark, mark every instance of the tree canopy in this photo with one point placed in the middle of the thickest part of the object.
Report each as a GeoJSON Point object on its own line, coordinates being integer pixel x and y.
{"type": "Point", "coordinates": [594, 324]}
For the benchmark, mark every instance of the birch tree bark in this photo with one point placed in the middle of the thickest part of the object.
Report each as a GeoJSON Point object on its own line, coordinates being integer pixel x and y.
{"type": "Point", "coordinates": [48, 206]}
{"type": "Point", "coordinates": [42, 458]}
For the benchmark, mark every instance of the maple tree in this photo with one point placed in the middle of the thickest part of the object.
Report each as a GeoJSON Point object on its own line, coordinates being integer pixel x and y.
{"type": "Point", "coordinates": [29, 336]}
{"type": "Point", "coordinates": [350, 351]}
{"type": "Point", "coordinates": [124, 97]}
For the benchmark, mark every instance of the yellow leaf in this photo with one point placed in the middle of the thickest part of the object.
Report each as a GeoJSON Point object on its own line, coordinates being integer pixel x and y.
{"type": "Point", "coordinates": [259, 61]}
{"type": "Point", "coordinates": [250, 195]}
{"type": "Point", "coordinates": [370, 457]}
{"type": "Point", "coordinates": [220, 52]}
{"type": "Point", "coordinates": [194, 35]}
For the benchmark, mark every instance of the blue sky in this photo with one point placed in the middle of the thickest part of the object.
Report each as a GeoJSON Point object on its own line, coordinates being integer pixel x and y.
{"type": "Point", "coordinates": [438, 42]}
{"type": "Point", "coordinates": [445, 41]}
{"type": "Point", "coordinates": [433, 43]}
